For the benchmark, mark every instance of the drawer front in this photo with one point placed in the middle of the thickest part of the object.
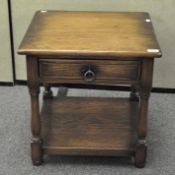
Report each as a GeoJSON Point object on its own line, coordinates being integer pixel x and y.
{"type": "Point", "coordinates": [88, 71]}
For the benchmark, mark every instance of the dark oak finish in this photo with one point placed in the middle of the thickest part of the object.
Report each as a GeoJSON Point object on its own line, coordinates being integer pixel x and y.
{"type": "Point", "coordinates": [33, 84]}
{"type": "Point", "coordinates": [90, 48]}
{"type": "Point", "coordinates": [89, 126]}
{"type": "Point", "coordinates": [74, 71]}
{"type": "Point", "coordinates": [145, 89]}
{"type": "Point", "coordinates": [91, 34]}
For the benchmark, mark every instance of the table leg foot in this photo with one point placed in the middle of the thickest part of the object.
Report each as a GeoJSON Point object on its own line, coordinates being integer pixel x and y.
{"type": "Point", "coordinates": [36, 154]}
{"type": "Point", "coordinates": [140, 155]}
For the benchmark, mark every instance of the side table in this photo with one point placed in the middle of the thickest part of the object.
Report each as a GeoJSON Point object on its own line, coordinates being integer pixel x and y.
{"type": "Point", "coordinates": [90, 48]}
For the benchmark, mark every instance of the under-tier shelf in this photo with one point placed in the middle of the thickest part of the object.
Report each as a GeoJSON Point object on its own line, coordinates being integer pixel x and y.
{"type": "Point", "coordinates": [89, 126]}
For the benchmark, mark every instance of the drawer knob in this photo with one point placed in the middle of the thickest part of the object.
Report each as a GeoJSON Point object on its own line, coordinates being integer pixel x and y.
{"type": "Point", "coordinates": [89, 75]}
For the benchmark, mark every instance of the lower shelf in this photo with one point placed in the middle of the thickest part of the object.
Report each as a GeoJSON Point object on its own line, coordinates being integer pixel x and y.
{"type": "Point", "coordinates": [89, 126]}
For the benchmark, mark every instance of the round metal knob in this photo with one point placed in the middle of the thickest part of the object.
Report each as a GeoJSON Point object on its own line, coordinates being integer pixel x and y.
{"type": "Point", "coordinates": [89, 75]}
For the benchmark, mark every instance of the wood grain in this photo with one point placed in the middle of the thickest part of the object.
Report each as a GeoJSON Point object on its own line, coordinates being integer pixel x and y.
{"type": "Point", "coordinates": [90, 34]}
{"type": "Point", "coordinates": [72, 71]}
{"type": "Point", "coordinates": [89, 126]}
{"type": "Point", "coordinates": [96, 48]}
{"type": "Point", "coordinates": [33, 84]}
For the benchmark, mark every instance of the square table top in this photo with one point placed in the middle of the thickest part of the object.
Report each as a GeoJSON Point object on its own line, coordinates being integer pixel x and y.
{"type": "Point", "coordinates": [116, 34]}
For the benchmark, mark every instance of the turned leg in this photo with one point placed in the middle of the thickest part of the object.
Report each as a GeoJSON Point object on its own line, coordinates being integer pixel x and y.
{"type": "Point", "coordinates": [145, 89]}
{"type": "Point", "coordinates": [133, 95]}
{"type": "Point", "coordinates": [141, 147]}
{"type": "Point", "coordinates": [36, 145]}
{"type": "Point", "coordinates": [48, 94]}
{"type": "Point", "coordinates": [33, 84]}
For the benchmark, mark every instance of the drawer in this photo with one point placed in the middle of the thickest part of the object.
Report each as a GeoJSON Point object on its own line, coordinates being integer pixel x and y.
{"type": "Point", "coordinates": [88, 71]}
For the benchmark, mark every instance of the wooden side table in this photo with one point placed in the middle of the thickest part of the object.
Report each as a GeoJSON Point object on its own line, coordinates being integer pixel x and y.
{"type": "Point", "coordinates": [90, 48]}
